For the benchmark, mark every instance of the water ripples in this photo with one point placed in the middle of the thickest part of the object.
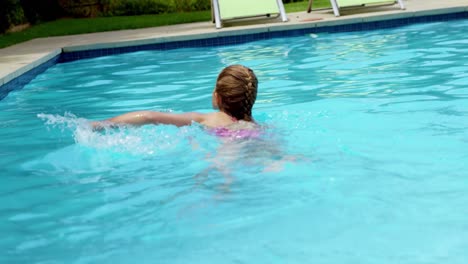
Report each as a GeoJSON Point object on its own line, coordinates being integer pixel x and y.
{"type": "Point", "coordinates": [364, 143]}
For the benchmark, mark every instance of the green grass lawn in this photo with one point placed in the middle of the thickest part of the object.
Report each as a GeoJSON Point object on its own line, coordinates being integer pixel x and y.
{"type": "Point", "coordinates": [64, 27]}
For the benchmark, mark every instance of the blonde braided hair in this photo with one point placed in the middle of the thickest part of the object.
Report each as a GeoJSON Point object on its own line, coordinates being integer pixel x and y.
{"type": "Point", "coordinates": [237, 88]}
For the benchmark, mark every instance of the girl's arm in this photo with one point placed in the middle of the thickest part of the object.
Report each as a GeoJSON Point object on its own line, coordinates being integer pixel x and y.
{"type": "Point", "coordinates": [149, 117]}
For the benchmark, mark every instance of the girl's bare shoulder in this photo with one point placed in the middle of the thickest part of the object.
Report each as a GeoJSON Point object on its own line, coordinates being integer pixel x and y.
{"type": "Point", "coordinates": [216, 119]}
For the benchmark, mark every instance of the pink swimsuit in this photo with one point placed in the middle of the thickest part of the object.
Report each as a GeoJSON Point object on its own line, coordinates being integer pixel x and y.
{"type": "Point", "coordinates": [239, 134]}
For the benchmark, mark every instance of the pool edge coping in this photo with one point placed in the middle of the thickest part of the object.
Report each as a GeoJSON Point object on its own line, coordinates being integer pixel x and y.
{"type": "Point", "coordinates": [268, 28]}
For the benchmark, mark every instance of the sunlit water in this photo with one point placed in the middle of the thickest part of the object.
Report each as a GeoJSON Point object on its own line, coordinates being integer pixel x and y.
{"type": "Point", "coordinates": [363, 156]}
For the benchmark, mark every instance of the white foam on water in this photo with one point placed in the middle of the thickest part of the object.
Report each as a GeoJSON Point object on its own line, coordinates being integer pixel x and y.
{"type": "Point", "coordinates": [145, 140]}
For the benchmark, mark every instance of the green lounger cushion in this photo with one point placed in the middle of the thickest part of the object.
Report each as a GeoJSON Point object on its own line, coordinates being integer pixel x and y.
{"type": "Point", "coordinates": [230, 9]}
{"type": "Point", "coordinates": [343, 3]}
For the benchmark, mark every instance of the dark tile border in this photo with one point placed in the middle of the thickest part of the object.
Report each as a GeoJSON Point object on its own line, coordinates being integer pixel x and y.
{"type": "Point", "coordinates": [19, 82]}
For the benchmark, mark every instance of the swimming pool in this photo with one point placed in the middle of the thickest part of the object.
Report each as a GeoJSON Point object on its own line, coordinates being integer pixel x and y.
{"type": "Point", "coordinates": [363, 161]}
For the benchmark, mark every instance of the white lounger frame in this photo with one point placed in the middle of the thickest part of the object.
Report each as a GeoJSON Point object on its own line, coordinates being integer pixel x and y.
{"type": "Point", "coordinates": [336, 8]}
{"type": "Point", "coordinates": [218, 20]}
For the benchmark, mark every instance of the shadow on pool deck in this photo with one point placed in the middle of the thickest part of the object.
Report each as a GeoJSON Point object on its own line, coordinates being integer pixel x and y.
{"type": "Point", "coordinates": [20, 58]}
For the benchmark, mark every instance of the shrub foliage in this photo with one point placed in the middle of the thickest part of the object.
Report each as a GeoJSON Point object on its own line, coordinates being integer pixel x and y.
{"type": "Point", "coordinates": [15, 12]}
{"type": "Point", "coordinates": [140, 7]}
{"type": "Point", "coordinates": [11, 14]}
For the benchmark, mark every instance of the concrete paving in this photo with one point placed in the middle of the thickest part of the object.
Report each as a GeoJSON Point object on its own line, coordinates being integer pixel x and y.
{"type": "Point", "coordinates": [20, 58]}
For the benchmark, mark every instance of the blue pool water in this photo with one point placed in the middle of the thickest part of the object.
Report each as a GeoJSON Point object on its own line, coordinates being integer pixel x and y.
{"type": "Point", "coordinates": [363, 159]}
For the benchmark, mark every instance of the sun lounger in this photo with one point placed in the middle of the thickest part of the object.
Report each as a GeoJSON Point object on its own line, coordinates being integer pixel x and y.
{"type": "Point", "coordinates": [235, 9]}
{"type": "Point", "coordinates": [338, 4]}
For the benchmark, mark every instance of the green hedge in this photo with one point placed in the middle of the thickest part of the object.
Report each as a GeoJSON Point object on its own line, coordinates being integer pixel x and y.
{"type": "Point", "coordinates": [12, 14]}
{"type": "Point", "coordinates": [141, 7]}
{"type": "Point", "coordinates": [135, 7]}
{"type": "Point", "coordinates": [15, 12]}
{"type": "Point", "coordinates": [41, 10]}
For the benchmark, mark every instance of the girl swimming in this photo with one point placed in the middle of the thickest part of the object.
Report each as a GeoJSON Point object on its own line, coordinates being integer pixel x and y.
{"type": "Point", "coordinates": [234, 96]}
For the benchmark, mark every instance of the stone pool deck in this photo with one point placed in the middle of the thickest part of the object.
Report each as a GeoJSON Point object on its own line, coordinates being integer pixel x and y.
{"type": "Point", "coordinates": [20, 58]}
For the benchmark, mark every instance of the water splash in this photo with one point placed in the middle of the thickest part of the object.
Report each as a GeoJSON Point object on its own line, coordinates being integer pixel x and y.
{"type": "Point", "coordinates": [67, 121]}
{"type": "Point", "coordinates": [146, 140]}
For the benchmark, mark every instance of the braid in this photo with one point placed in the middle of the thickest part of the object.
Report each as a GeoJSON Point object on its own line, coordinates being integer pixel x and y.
{"type": "Point", "coordinates": [237, 87]}
{"type": "Point", "coordinates": [249, 100]}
